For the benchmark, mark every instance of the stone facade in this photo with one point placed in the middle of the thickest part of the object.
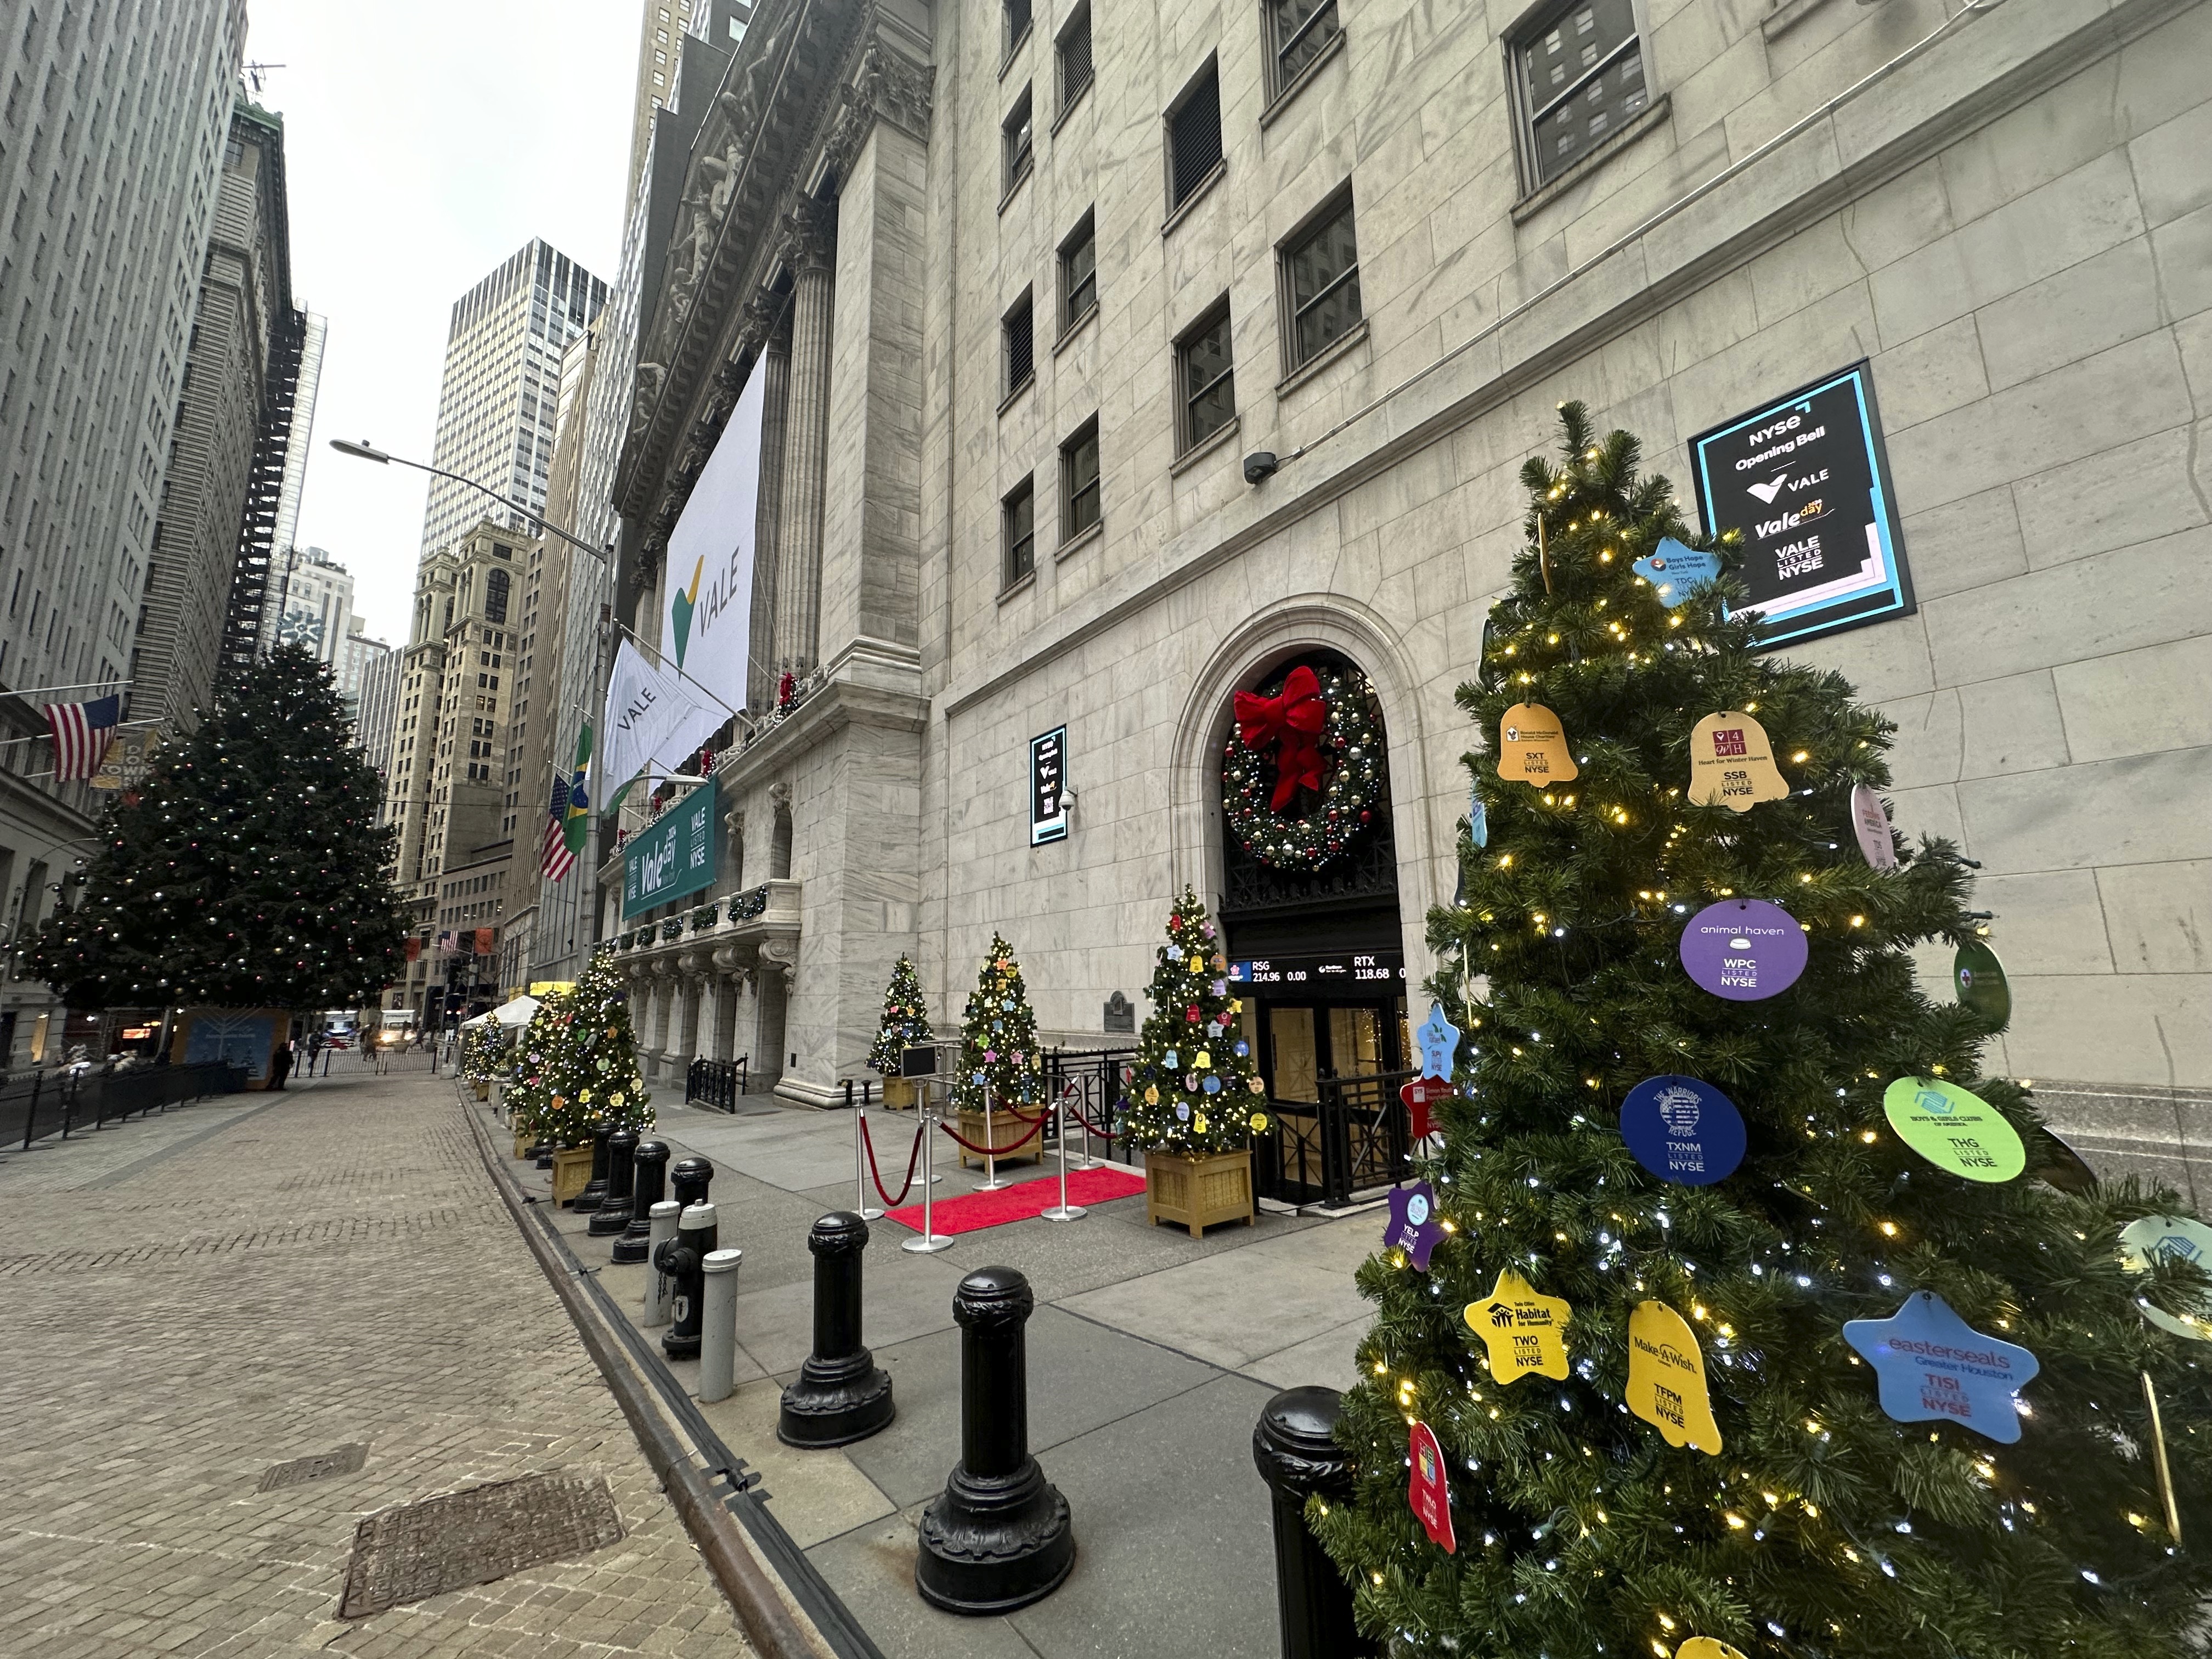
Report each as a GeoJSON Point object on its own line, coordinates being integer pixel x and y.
{"type": "Point", "coordinates": [2007, 215]}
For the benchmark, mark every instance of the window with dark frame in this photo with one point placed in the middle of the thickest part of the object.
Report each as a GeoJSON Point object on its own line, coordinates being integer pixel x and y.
{"type": "Point", "coordinates": [1074, 52]}
{"type": "Point", "coordinates": [1298, 31]}
{"type": "Point", "coordinates": [1194, 136]}
{"type": "Point", "coordinates": [1017, 134]}
{"type": "Point", "coordinates": [1018, 25]}
{"type": "Point", "coordinates": [1582, 80]}
{"type": "Point", "coordinates": [1079, 480]}
{"type": "Point", "coordinates": [1019, 327]}
{"type": "Point", "coordinates": [1206, 373]}
{"type": "Point", "coordinates": [1079, 273]}
{"type": "Point", "coordinates": [1018, 514]}
{"type": "Point", "coordinates": [1321, 270]}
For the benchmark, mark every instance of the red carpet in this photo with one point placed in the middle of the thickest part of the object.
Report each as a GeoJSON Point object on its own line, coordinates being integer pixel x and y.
{"type": "Point", "coordinates": [1022, 1200]}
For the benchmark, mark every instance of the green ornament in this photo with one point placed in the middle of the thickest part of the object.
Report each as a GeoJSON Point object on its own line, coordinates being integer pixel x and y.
{"type": "Point", "coordinates": [1954, 1129]}
{"type": "Point", "coordinates": [1980, 980]}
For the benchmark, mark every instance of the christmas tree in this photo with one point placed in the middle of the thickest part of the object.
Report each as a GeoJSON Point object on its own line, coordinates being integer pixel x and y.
{"type": "Point", "coordinates": [905, 1022]}
{"type": "Point", "coordinates": [481, 1052]}
{"type": "Point", "coordinates": [585, 1067]}
{"type": "Point", "coordinates": [1194, 1087]}
{"type": "Point", "coordinates": [528, 1098]}
{"type": "Point", "coordinates": [247, 873]}
{"type": "Point", "coordinates": [1579, 1311]}
{"type": "Point", "coordinates": [998, 1038]}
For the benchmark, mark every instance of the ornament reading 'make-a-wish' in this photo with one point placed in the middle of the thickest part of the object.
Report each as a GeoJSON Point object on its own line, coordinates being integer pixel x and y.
{"type": "Point", "coordinates": [2168, 1238]}
{"type": "Point", "coordinates": [1667, 1378]}
{"type": "Point", "coordinates": [1954, 1129]}
{"type": "Point", "coordinates": [1980, 978]}
{"type": "Point", "coordinates": [1744, 949]}
{"type": "Point", "coordinates": [1427, 1489]}
{"type": "Point", "coordinates": [1675, 570]}
{"type": "Point", "coordinates": [1933, 1367]}
{"type": "Point", "coordinates": [1870, 824]}
{"type": "Point", "coordinates": [1731, 762]}
{"type": "Point", "coordinates": [1532, 747]}
{"type": "Point", "coordinates": [1413, 1226]}
{"type": "Point", "coordinates": [1524, 1331]}
{"type": "Point", "coordinates": [1683, 1130]}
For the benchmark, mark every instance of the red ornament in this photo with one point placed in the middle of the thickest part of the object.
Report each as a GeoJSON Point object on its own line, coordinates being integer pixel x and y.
{"type": "Point", "coordinates": [1418, 1096]}
{"type": "Point", "coordinates": [1191, 1015]}
{"type": "Point", "coordinates": [1429, 1492]}
{"type": "Point", "coordinates": [1292, 721]}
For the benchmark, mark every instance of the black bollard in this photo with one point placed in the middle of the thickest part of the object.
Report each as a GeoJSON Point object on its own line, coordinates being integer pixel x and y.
{"type": "Point", "coordinates": [595, 1189]}
{"type": "Point", "coordinates": [998, 1537]}
{"type": "Point", "coordinates": [648, 1186]}
{"type": "Point", "coordinates": [1297, 1456]}
{"type": "Point", "coordinates": [689, 1178]}
{"type": "Point", "coordinates": [614, 1212]}
{"type": "Point", "coordinates": [683, 1259]}
{"type": "Point", "coordinates": [842, 1395]}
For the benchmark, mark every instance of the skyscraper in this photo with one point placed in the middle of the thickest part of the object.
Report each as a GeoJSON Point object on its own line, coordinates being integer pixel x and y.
{"type": "Point", "coordinates": [496, 406]}
{"type": "Point", "coordinates": [299, 446]}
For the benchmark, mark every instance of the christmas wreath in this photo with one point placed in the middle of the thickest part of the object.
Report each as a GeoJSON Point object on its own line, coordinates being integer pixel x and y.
{"type": "Point", "coordinates": [1310, 740]}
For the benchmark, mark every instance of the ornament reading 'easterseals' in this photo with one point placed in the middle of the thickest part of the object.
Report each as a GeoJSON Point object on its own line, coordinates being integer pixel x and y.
{"type": "Point", "coordinates": [1683, 1130]}
{"type": "Point", "coordinates": [1525, 1332]}
{"type": "Point", "coordinates": [1427, 1489]}
{"type": "Point", "coordinates": [1744, 949]}
{"type": "Point", "coordinates": [1731, 762]}
{"type": "Point", "coordinates": [1532, 747]}
{"type": "Point", "coordinates": [1980, 978]}
{"type": "Point", "coordinates": [1667, 1378]}
{"type": "Point", "coordinates": [1933, 1367]}
{"type": "Point", "coordinates": [1954, 1129]}
{"type": "Point", "coordinates": [2168, 1238]}
{"type": "Point", "coordinates": [1870, 825]}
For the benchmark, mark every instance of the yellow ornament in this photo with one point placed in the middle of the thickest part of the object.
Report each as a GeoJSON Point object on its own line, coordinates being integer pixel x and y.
{"type": "Point", "coordinates": [1731, 762]}
{"type": "Point", "coordinates": [1259, 1123]}
{"type": "Point", "coordinates": [1704, 1647]}
{"type": "Point", "coordinates": [1525, 1332]}
{"type": "Point", "coordinates": [1196, 964]}
{"type": "Point", "coordinates": [1532, 747]}
{"type": "Point", "coordinates": [1205, 1057]}
{"type": "Point", "coordinates": [586, 1097]}
{"type": "Point", "coordinates": [1152, 1094]}
{"type": "Point", "coordinates": [1198, 1122]}
{"type": "Point", "coordinates": [1667, 1378]}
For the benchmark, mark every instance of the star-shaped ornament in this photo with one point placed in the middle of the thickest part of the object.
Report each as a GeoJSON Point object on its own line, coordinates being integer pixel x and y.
{"type": "Point", "coordinates": [1438, 1041]}
{"type": "Point", "coordinates": [1933, 1367]}
{"type": "Point", "coordinates": [1525, 1332]}
{"type": "Point", "coordinates": [1413, 1226]}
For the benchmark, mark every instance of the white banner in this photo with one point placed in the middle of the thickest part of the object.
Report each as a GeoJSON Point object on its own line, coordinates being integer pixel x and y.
{"type": "Point", "coordinates": [653, 717]}
{"type": "Point", "coordinates": [707, 586]}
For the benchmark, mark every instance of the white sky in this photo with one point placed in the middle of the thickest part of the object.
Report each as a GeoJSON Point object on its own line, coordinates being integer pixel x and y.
{"type": "Point", "coordinates": [425, 143]}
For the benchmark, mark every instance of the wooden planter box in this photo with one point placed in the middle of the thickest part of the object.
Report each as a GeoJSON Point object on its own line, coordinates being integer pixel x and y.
{"type": "Point", "coordinates": [1005, 1127]}
{"type": "Point", "coordinates": [898, 1095]}
{"type": "Point", "coordinates": [1198, 1192]}
{"type": "Point", "coordinates": [484, 1091]}
{"type": "Point", "coordinates": [522, 1144]}
{"type": "Point", "coordinates": [572, 1172]}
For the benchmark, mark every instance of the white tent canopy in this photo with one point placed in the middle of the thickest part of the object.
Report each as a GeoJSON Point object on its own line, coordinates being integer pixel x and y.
{"type": "Point", "coordinates": [514, 1014]}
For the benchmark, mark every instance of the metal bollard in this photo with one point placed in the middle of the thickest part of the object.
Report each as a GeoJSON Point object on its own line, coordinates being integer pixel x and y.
{"type": "Point", "coordinates": [1298, 1454]}
{"type": "Point", "coordinates": [658, 1289]}
{"type": "Point", "coordinates": [689, 1178]}
{"type": "Point", "coordinates": [595, 1189]}
{"type": "Point", "coordinates": [718, 1324]}
{"type": "Point", "coordinates": [998, 1536]}
{"type": "Point", "coordinates": [612, 1216]}
{"type": "Point", "coordinates": [842, 1395]}
{"type": "Point", "coordinates": [683, 1259]}
{"type": "Point", "coordinates": [648, 1186]}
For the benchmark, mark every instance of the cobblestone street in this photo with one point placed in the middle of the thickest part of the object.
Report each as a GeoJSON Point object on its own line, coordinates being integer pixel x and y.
{"type": "Point", "coordinates": [254, 1280]}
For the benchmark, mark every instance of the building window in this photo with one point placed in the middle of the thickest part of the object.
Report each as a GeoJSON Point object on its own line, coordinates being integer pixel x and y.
{"type": "Point", "coordinates": [1079, 482]}
{"type": "Point", "coordinates": [1207, 374]}
{"type": "Point", "coordinates": [1298, 31]}
{"type": "Point", "coordinates": [1074, 50]}
{"type": "Point", "coordinates": [1019, 326]}
{"type": "Point", "coordinates": [1017, 26]}
{"type": "Point", "coordinates": [1018, 516]}
{"type": "Point", "coordinates": [1582, 80]}
{"type": "Point", "coordinates": [1079, 274]}
{"type": "Point", "coordinates": [1194, 136]}
{"type": "Point", "coordinates": [495, 588]}
{"type": "Point", "coordinates": [1019, 150]}
{"type": "Point", "coordinates": [1321, 271]}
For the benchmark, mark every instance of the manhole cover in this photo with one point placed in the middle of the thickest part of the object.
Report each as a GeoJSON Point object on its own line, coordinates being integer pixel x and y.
{"type": "Point", "coordinates": [471, 1537]}
{"type": "Point", "coordinates": [344, 1460]}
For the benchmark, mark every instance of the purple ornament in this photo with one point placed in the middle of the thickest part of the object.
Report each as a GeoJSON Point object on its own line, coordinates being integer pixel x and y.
{"type": "Point", "coordinates": [1744, 949]}
{"type": "Point", "coordinates": [1414, 1225]}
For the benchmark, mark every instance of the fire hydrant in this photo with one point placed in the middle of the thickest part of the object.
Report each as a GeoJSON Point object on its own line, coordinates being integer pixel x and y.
{"type": "Point", "coordinates": [682, 1260]}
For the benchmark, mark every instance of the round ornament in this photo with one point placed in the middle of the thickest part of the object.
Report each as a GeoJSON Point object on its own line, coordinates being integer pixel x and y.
{"type": "Point", "coordinates": [1745, 949]}
{"type": "Point", "coordinates": [1683, 1130]}
{"type": "Point", "coordinates": [1980, 979]}
{"type": "Point", "coordinates": [1182, 1111]}
{"type": "Point", "coordinates": [1706, 1647]}
{"type": "Point", "coordinates": [1870, 826]}
{"type": "Point", "coordinates": [1954, 1129]}
{"type": "Point", "coordinates": [1313, 745]}
{"type": "Point", "coordinates": [2167, 1238]}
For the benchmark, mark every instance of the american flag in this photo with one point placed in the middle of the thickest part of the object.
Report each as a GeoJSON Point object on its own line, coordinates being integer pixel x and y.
{"type": "Point", "coordinates": [81, 733]}
{"type": "Point", "coordinates": [554, 858]}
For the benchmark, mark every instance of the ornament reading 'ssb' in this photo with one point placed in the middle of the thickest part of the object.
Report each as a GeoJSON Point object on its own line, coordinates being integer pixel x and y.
{"type": "Point", "coordinates": [1525, 1332]}
{"type": "Point", "coordinates": [1532, 747]}
{"type": "Point", "coordinates": [1683, 1130]}
{"type": "Point", "coordinates": [1428, 1491]}
{"type": "Point", "coordinates": [1954, 1129]}
{"type": "Point", "coordinates": [1980, 978]}
{"type": "Point", "coordinates": [1870, 825]}
{"type": "Point", "coordinates": [1667, 1378]}
{"type": "Point", "coordinates": [1731, 762]}
{"type": "Point", "coordinates": [1413, 1226]}
{"type": "Point", "coordinates": [1675, 570]}
{"type": "Point", "coordinates": [1744, 949]}
{"type": "Point", "coordinates": [1933, 1367]}
{"type": "Point", "coordinates": [2168, 1238]}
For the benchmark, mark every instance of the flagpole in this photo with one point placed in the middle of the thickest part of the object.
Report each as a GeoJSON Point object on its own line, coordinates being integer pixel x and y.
{"type": "Point", "coordinates": [660, 661]}
{"type": "Point", "coordinates": [82, 685]}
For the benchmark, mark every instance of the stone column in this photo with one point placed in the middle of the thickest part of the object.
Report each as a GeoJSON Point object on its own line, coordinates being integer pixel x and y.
{"type": "Point", "coordinates": [809, 249]}
{"type": "Point", "coordinates": [767, 532]}
{"type": "Point", "coordinates": [709, 1023]}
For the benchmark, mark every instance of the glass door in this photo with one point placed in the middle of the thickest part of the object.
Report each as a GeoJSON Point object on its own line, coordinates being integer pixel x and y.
{"type": "Point", "coordinates": [1294, 1059]}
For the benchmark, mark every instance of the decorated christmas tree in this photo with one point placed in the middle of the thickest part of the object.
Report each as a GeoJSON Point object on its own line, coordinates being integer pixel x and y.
{"type": "Point", "coordinates": [587, 1066]}
{"type": "Point", "coordinates": [528, 1098]}
{"type": "Point", "coordinates": [1744, 1310]}
{"type": "Point", "coordinates": [998, 1038]}
{"type": "Point", "coordinates": [1193, 1088]}
{"type": "Point", "coordinates": [482, 1052]}
{"type": "Point", "coordinates": [905, 1024]}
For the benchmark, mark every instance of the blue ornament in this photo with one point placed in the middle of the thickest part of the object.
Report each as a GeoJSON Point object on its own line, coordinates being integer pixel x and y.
{"type": "Point", "coordinates": [1438, 1039]}
{"type": "Point", "coordinates": [1008, 1004]}
{"type": "Point", "coordinates": [1933, 1367]}
{"type": "Point", "coordinates": [1171, 1059]}
{"type": "Point", "coordinates": [1243, 1049]}
{"type": "Point", "coordinates": [1212, 1085]}
{"type": "Point", "coordinates": [1478, 819]}
{"type": "Point", "coordinates": [1675, 570]}
{"type": "Point", "coordinates": [1221, 987]}
{"type": "Point", "coordinates": [1683, 1130]}
{"type": "Point", "coordinates": [1413, 1226]}
{"type": "Point", "coordinates": [979, 1077]}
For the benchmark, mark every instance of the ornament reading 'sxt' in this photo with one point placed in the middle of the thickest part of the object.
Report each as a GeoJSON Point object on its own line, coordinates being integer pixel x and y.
{"type": "Point", "coordinates": [1954, 1129]}
{"type": "Point", "coordinates": [1414, 1227]}
{"type": "Point", "coordinates": [1532, 747]}
{"type": "Point", "coordinates": [1525, 1332]}
{"type": "Point", "coordinates": [1933, 1367]}
{"type": "Point", "coordinates": [1667, 1378]}
{"type": "Point", "coordinates": [1731, 762]}
{"type": "Point", "coordinates": [1427, 1490]}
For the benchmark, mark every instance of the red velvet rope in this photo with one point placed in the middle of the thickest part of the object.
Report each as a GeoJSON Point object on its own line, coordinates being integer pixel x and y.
{"type": "Point", "coordinates": [1075, 1111]}
{"type": "Point", "coordinates": [1037, 1128]}
{"type": "Point", "coordinates": [876, 1175]}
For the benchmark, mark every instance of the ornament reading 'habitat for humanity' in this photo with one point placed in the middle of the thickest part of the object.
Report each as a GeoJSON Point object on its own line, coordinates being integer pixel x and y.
{"type": "Point", "coordinates": [1682, 1130]}
{"type": "Point", "coordinates": [1428, 1491]}
{"type": "Point", "coordinates": [1525, 1332]}
{"type": "Point", "coordinates": [1731, 762]}
{"type": "Point", "coordinates": [1935, 1367]}
{"type": "Point", "coordinates": [1954, 1129]}
{"type": "Point", "coordinates": [1667, 1378]}
{"type": "Point", "coordinates": [1980, 978]}
{"type": "Point", "coordinates": [1532, 747]}
{"type": "Point", "coordinates": [1674, 569]}
{"type": "Point", "coordinates": [1744, 949]}
{"type": "Point", "coordinates": [1870, 824]}
{"type": "Point", "coordinates": [2168, 1238]}
{"type": "Point", "coordinates": [1413, 1226]}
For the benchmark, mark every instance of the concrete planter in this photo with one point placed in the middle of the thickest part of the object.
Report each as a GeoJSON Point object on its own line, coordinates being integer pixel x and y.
{"type": "Point", "coordinates": [1197, 1192]}
{"type": "Point", "coordinates": [572, 1171]}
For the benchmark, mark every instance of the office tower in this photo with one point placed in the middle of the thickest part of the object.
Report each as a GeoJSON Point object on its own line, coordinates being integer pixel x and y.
{"type": "Point", "coordinates": [357, 657]}
{"type": "Point", "coordinates": [312, 607]}
{"type": "Point", "coordinates": [284, 532]}
{"type": "Point", "coordinates": [374, 714]}
{"type": "Point", "coordinates": [665, 26]}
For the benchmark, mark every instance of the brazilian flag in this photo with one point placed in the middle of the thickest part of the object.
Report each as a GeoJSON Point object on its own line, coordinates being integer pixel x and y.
{"type": "Point", "coordinates": [576, 826]}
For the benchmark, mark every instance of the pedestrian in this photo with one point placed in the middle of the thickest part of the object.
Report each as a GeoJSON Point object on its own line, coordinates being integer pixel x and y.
{"type": "Point", "coordinates": [279, 1064]}
{"type": "Point", "coordinates": [383, 1058]}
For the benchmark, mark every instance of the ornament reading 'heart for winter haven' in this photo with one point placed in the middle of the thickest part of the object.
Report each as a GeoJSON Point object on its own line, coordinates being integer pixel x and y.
{"type": "Point", "coordinates": [1744, 949]}
{"type": "Point", "coordinates": [1667, 1378]}
{"type": "Point", "coordinates": [1731, 762]}
{"type": "Point", "coordinates": [2168, 1238]}
{"type": "Point", "coordinates": [1980, 978]}
{"type": "Point", "coordinates": [1954, 1129]}
{"type": "Point", "coordinates": [1429, 1492]}
{"type": "Point", "coordinates": [1525, 1332]}
{"type": "Point", "coordinates": [1682, 1130]}
{"type": "Point", "coordinates": [1532, 747]}
{"type": "Point", "coordinates": [1933, 1367]}
{"type": "Point", "coordinates": [1674, 569]}
{"type": "Point", "coordinates": [1438, 1039]}
{"type": "Point", "coordinates": [1870, 824]}
{"type": "Point", "coordinates": [1413, 1226]}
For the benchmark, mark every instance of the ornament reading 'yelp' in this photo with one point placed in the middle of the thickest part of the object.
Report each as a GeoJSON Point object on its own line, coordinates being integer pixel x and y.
{"type": "Point", "coordinates": [1532, 747]}
{"type": "Point", "coordinates": [1732, 761]}
{"type": "Point", "coordinates": [1675, 570]}
{"type": "Point", "coordinates": [1293, 722]}
{"type": "Point", "coordinates": [2168, 1238]}
{"type": "Point", "coordinates": [1428, 1491]}
{"type": "Point", "coordinates": [1683, 1130]}
{"type": "Point", "coordinates": [1744, 949]}
{"type": "Point", "coordinates": [1933, 1367]}
{"type": "Point", "coordinates": [1413, 1226]}
{"type": "Point", "coordinates": [1525, 1333]}
{"type": "Point", "coordinates": [1667, 1378]}
{"type": "Point", "coordinates": [1954, 1129]}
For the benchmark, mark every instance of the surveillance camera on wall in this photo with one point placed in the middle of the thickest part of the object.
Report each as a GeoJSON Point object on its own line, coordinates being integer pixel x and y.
{"type": "Point", "coordinates": [1259, 463]}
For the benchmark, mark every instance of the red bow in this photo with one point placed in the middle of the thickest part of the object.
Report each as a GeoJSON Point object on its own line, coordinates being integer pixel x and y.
{"type": "Point", "coordinates": [1292, 722]}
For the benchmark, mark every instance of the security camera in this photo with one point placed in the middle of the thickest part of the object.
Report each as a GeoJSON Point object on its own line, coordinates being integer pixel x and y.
{"type": "Point", "coordinates": [1067, 800]}
{"type": "Point", "coordinates": [1259, 463]}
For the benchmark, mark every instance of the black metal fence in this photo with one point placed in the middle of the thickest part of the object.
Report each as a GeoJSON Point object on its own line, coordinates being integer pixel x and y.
{"type": "Point", "coordinates": [717, 1083]}
{"type": "Point", "coordinates": [1356, 1137]}
{"type": "Point", "coordinates": [65, 1100]}
{"type": "Point", "coordinates": [1099, 1077]}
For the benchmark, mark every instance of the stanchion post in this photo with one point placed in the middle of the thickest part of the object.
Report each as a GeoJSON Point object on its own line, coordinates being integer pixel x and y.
{"type": "Point", "coordinates": [842, 1395]}
{"type": "Point", "coordinates": [990, 1183]}
{"type": "Point", "coordinates": [718, 1324]}
{"type": "Point", "coordinates": [648, 1186]}
{"type": "Point", "coordinates": [1062, 1211]}
{"type": "Point", "coordinates": [660, 1292]}
{"type": "Point", "coordinates": [1083, 1159]}
{"type": "Point", "coordinates": [613, 1216]}
{"type": "Point", "coordinates": [1295, 1448]}
{"type": "Point", "coordinates": [929, 1240]}
{"type": "Point", "coordinates": [860, 1205]}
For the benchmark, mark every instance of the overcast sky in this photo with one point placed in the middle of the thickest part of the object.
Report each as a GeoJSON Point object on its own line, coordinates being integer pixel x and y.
{"type": "Point", "coordinates": [425, 143]}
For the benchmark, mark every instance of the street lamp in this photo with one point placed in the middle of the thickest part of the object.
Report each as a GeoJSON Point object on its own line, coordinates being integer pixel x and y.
{"type": "Point", "coordinates": [368, 452]}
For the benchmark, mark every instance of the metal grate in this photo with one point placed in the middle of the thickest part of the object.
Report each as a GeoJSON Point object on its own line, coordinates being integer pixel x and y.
{"type": "Point", "coordinates": [420, 1550]}
{"type": "Point", "coordinates": [344, 1460]}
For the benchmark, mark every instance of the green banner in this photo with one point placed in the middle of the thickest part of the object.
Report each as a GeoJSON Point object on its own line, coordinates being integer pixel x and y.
{"type": "Point", "coordinates": [672, 857]}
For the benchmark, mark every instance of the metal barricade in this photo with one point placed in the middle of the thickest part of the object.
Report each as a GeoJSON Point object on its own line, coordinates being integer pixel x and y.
{"type": "Point", "coordinates": [717, 1083]}
{"type": "Point", "coordinates": [1357, 1137]}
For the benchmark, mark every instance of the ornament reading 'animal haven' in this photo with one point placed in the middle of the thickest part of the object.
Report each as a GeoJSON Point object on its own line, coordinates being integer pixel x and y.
{"type": "Point", "coordinates": [1532, 747]}
{"type": "Point", "coordinates": [1731, 762]}
{"type": "Point", "coordinates": [1744, 949]}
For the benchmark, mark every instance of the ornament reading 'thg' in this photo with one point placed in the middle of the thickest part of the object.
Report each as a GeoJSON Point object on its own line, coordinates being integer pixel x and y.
{"type": "Point", "coordinates": [1954, 1129]}
{"type": "Point", "coordinates": [1933, 1367]}
{"type": "Point", "coordinates": [1870, 824]}
{"type": "Point", "coordinates": [1524, 1331]}
{"type": "Point", "coordinates": [1532, 747]}
{"type": "Point", "coordinates": [2168, 1238]}
{"type": "Point", "coordinates": [1731, 762]}
{"type": "Point", "coordinates": [1427, 1490]}
{"type": "Point", "coordinates": [1667, 1378]}
{"type": "Point", "coordinates": [1980, 978]}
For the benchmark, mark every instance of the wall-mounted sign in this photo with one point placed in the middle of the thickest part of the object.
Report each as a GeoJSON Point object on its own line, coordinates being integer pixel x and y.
{"type": "Point", "coordinates": [1807, 481]}
{"type": "Point", "coordinates": [1383, 972]}
{"type": "Point", "coordinates": [667, 859]}
{"type": "Point", "coordinates": [1048, 782]}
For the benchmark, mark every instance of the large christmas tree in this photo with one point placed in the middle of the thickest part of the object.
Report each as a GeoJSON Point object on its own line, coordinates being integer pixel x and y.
{"type": "Point", "coordinates": [1194, 1087]}
{"type": "Point", "coordinates": [998, 1038]}
{"type": "Point", "coordinates": [1608, 1268]}
{"type": "Point", "coordinates": [905, 1024]}
{"type": "Point", "coordinates": [249, 870]}
{"type": "Point", "coordinates": [579, 1060]}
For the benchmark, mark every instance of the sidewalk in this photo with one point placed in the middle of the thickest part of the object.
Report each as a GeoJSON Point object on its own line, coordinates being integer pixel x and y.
{"type": "Point", "coordinates": [1150, 1357]}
